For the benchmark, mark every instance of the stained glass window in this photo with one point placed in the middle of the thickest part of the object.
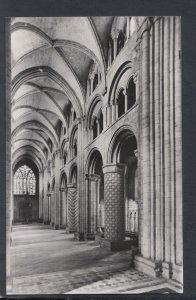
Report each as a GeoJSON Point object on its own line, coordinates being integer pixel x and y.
{"type": "Point", "coordinates": [24, 181]}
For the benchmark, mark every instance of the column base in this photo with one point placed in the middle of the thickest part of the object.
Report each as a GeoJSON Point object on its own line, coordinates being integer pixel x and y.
{"type": "Point", "coordinates": [99, 236]}
{"type": "Point", "coordinates": [9, 285]}
{"type": "Point", "coordinates": [167, 270]}
{"type": "Point", "coordinates": [47, 222]}
{"type": "Point", "coordinates": [90, 236]}
{"type": "Point", "coordinates": [70, 230]}
{"type": "Point", "coordinates": [80, 236]}
{"type": "Point", "coordinates": [148, 266]}
{"type": "Point", "coordinates": [62, 226]}
{"type": "Point", "coordinates": [115, 245]}
{"type": "Point", "coordinates": [177, 273]}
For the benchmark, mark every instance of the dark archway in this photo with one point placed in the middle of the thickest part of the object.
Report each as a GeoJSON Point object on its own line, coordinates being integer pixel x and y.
{"type": "Point", "coordinates": [49, 204]}
{"type": "Point", "coordinates": [63, 201]}
{"type": "Point", "coordinates": [72, 199]}
{"type": "Point", "coordinates": [95, 194]}
{"type": "Point", "coordinates": [123, 150]}
{"type": "Point", "coordinates": [53, 203]}
{"type": "Point", "coordinates": [131, 94]}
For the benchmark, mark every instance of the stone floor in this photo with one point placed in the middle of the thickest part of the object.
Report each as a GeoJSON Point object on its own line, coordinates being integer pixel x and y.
{"type": "Point", "coordinates": [47, 261]}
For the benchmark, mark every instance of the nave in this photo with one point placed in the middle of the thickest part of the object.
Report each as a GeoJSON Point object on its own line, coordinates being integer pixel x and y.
{"type": "Point", "coordinates": [77, 267]}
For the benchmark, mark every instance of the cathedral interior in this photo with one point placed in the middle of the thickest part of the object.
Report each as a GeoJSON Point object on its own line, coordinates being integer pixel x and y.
{"type": "Point", "coordinates": [95, 139]}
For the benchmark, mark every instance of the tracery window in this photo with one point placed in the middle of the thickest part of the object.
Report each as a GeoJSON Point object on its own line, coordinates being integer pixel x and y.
{"type": "Point", "coordinates": [24, 181]}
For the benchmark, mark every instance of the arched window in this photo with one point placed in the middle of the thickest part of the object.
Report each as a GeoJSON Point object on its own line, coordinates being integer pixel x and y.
{"type": "Point", "coordinates": [95, 128]}
{"type": "Point", "coordinates": [75, 148]}
{"type": "Point", "coordinates": [131, 94]}
{"type": "Point", "coordinates": [53, 185]}
{"type": "Point", "coordinates": [95, 81]}
{"type": "Point", "coordinates": [65, 158]}
{"type": "Point", "coordinates": [74, 115]}
{"type": "Point", "coordinates": [121, 103]}
{"type": "Point", "coordinates": [24, 181]}
{"type": "Point", "coordinates": [120, 42]}
{"type": "Point", "coordinates": [74, 175]}
{"type": "Point", "coordinates": [101, 122]}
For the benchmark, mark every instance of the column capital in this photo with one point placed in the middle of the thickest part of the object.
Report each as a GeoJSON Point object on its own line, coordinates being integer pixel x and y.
{"type": "Point", "coordinates": [114, 168]}
{"type": "Point", "coordinates": [145, 26]}
{"type": "Point", "coordinates": [136, 152]}
{"type": "Point", "coordinates": [104, 90]}
{"type": "Point", "coordinates": [87, 176]}
{"type": "Point", "coordinates": [115, 34]}
{"type": "Point", "coordinates": [63, 189]}
{"type": "Point", "coordinates": [114, 101]}
{"type": "Point", "coordinates": [94, 177]}
{"type": "Point", "coordinates": [125, 92]}
{"type": "Point", "coordinates": [71, 185]}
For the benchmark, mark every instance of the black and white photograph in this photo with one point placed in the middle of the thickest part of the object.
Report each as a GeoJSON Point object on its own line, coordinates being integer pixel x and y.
{"type": "Point", "coordinates": [94, 195]}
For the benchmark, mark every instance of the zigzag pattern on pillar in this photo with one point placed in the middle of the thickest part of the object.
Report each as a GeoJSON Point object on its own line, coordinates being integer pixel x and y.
{"type": "Point", "coordinates": [76, 210]}
{"type": "Point", "coordinates": [72, 209]}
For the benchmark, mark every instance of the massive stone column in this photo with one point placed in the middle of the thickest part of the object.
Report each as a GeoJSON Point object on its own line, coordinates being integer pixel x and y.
{"type": "Point", "coordinates": [57, 192]}
{"type": "Point", "coordinates": [8, 158]}
{"type": "Point", "coordinates": [114, 204]}
{"type": "Point", "coordinates": [81, 191]}
{"type": "Point", "coordinates": [64, 208]}
{"type": "Point", "coordinates": [161, 163]}
{"type": "Point", "coordinates": [41, 184]}
{"type": "Point", "coordinates": [167, 151]}
{"type": "Point", "coordinates": [157, 141]}
{"type": "Point", "coordinates": [177, 268]}
{"type": "Point", "coordinates": [141, 261]}
{"type": "Point", "coordinates": [72, 207]}
{"type": "Point", "coordinates": [150, 226]}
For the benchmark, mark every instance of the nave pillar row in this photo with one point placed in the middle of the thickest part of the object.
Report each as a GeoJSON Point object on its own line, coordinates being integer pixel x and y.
{"type": "Point", "coordinates": [161, 149]}
{"type": "Point", "coordinates": [8, 194]}
{"type": "Point", "coordinates": [41, 194]}
{"type": "Point", "coordinates": [72, 214]}
{"type": "Point", "coordinates": [57, 188]}
{"type": "Point", "coordinates": [114, 206]}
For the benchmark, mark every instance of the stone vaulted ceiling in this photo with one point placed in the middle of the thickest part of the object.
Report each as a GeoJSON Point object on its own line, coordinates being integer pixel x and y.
{"type": "Point", "coordinates": [50, 59]}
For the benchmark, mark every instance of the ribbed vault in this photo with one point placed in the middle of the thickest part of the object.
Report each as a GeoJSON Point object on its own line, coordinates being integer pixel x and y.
{"type": "Point", "coordinates": [50, 62]}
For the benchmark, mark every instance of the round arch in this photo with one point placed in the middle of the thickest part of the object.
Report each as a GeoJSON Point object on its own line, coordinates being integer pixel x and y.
{"type": "Point", "coordinates": [117, 140]}
{"type": "Point", "coordinates": [63, 180]}
{"type": "Point", "coordinates": [94, 160]}
{"type": "Point", "coordinates": [90, 110]}
{"type": "Point", "coordinates": [119, 73]}
{"type": "Point", "coordinates": [26, 157]}
{"type": "Point", "coordinates": [73, 174]}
